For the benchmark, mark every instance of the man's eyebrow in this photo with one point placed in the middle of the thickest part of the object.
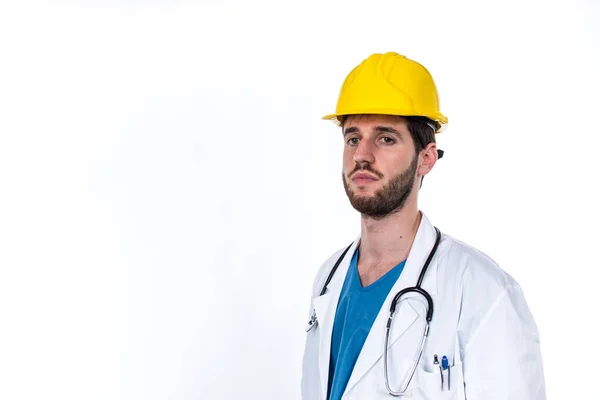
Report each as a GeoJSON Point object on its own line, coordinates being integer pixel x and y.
{"type": "Point", "coordinates": [388, 129]}
{"type": "Point", "coordinates": [379, 128]}
{"type": "Point", "coordinates": [350, 130]}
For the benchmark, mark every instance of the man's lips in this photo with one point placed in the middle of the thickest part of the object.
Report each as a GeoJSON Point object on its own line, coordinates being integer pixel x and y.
{"type": "Point", "coordinates": [363, 178]}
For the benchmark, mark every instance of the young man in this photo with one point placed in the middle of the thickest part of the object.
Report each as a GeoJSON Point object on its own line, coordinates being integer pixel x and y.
{"type": "Point", "coordinates": [463, 330]}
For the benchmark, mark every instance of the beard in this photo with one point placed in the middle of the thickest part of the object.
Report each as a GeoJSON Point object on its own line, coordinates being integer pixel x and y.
{"type": "Point", "coordinates": [387, 200]}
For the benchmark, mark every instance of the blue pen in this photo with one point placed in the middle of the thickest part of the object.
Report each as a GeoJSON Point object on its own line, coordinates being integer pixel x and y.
{"type": "Point", "coordinates": [445, 366]}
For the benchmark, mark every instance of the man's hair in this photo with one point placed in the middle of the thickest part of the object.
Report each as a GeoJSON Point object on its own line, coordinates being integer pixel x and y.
{"type": "Point", "coordinates": [422, 131]}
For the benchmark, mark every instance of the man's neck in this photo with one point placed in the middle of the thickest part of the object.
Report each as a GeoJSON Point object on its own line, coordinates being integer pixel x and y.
{"type": "Point", "coordinates": [385, 243]}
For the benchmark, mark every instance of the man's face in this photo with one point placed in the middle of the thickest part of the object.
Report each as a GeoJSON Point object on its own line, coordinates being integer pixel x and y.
{"type": "Point", "coordinates": [380, 164]}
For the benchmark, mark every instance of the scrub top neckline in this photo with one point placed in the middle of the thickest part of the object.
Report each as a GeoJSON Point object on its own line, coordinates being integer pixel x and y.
{"type": "Point", "coordinates": [388, 275]}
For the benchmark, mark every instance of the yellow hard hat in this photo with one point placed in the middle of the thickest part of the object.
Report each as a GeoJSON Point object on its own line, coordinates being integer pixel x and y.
{"type": "Point", "coordinates": [389, 84]}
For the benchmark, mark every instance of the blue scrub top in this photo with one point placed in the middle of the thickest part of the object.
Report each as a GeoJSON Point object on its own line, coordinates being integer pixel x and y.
{"type": "Point", "coordinates": [356, 311]}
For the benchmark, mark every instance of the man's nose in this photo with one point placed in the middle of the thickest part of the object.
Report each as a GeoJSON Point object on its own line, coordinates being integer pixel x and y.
{"type": "Point", "coordinates": [364, 153]}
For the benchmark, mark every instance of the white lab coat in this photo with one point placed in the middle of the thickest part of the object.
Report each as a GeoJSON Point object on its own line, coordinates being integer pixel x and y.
{"type": "Point", "coordinates": [481, 322]}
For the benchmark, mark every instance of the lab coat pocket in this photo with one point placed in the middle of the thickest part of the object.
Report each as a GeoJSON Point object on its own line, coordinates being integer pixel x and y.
{"type": "Point", "coordinates": [433, 383]}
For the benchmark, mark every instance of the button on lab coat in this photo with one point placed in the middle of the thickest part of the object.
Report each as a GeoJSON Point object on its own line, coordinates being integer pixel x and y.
{"type": "Point", "coordinates": [481, 322]}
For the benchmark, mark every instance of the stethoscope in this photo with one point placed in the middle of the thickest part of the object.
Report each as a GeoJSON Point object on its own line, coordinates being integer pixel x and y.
{"type": "Point", "coordinates": [415, 289]}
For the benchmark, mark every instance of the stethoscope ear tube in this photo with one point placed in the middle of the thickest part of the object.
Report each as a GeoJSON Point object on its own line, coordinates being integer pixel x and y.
{"type": "Point", "coordinates": [335, 267]}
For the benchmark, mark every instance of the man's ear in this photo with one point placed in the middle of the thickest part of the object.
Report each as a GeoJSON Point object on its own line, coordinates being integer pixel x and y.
{"type": "Point", "coordinates": [429, 156]}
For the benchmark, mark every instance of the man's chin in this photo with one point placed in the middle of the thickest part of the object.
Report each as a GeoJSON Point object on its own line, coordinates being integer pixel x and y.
{"type": "Point", "coordinates": [363, 192]}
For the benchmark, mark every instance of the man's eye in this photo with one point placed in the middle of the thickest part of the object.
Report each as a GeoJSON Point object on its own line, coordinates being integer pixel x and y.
{"type": "Point", "coordinates": [353, 141]}
{"type": "Point", "coordinates": [387, 140]}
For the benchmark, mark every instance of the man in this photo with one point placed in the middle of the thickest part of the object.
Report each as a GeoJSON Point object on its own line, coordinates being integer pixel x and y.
{"type": "Point", "coordinates": [481, 341]}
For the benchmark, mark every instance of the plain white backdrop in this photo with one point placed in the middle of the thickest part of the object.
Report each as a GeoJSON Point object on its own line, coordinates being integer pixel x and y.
{"type": "Point", "coordinates": [168, 190]}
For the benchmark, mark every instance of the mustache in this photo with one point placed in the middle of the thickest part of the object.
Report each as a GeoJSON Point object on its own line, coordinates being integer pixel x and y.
{"type": "Point", "coordinates": [365, 167]}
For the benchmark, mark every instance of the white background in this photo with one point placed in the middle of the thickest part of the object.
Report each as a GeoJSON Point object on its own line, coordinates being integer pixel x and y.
{"type": "Point", "coordinates": [168, 190]}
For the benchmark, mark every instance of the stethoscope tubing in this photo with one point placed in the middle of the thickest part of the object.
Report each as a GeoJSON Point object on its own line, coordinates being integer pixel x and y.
{"type": "Point", "coordinates": [415, 289]}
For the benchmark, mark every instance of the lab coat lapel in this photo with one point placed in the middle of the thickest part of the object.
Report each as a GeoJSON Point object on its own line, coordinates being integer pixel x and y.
{"type": "Point", "coordinates": [325, 307]}
{"type": "Point", "coordinates": [405, 314]}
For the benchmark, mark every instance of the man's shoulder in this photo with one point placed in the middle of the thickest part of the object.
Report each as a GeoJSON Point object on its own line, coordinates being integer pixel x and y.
{"type": "Point", "coordinates": [487, 294]}
{"type": "Point", "coordinates": [474, 266]}
{"type": "Point", "coordinates": [325, 269]}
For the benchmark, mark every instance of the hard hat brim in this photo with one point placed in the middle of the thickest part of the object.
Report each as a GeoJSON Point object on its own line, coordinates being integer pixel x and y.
{"type": "Point", "coordinates": [441, 119]}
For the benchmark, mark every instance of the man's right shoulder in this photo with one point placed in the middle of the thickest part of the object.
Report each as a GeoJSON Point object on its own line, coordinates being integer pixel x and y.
{"type": "Point", "coordinates": [324, 271]}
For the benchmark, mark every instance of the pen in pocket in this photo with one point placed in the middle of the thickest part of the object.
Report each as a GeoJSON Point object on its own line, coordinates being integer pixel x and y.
{"type": "Point", "coordinates": [446, 366]}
